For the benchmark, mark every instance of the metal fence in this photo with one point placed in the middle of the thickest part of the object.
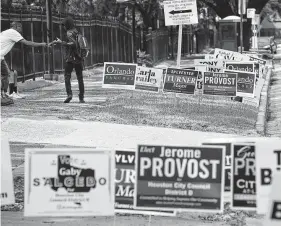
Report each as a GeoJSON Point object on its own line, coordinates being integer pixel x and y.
{"type": "Point", "coordinates": [109, 40]}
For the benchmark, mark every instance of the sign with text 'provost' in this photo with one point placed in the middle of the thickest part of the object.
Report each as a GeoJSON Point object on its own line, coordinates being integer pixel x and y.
{"type": "Point", "coordinates": [222, 84]}
{"type": "Point", "coordinates": [180, 81]}
{"type": "Point", "coordinates": [125, 178]}
{"type": "Point", "coordinates": [119, 76]}
{"type": "Point", "coordinates": [186, 178]}
{"type": "Point", "coordinates": [69, 182]}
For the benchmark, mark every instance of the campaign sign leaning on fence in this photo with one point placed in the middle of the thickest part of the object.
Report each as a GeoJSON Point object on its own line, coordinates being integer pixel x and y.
{"type": "Point", "coordinates": [185, 178]}
{"type": "Point", "coordinates": [268, 160]}
{"type": "Point", "coordinates": [148, 79]}
{"type": "Point", "coordinates": [243, 177]}
{"type": "Point", "coordinates": [222, 84]}
{"type": "Point", "coordinates": [125, 178]}
{"type": "Point", "coordinates": [69, 182]}
{"type": "Point", "coordinates": [7, 184]}
{"type": "Point", "coordinates": [273, 216]}
{"type": "Point", "coordinates": [119, 75]}
{"type": "Point", "coordinates": [180, 81]}
{"type": "Point", "coordinates": [245, 83]}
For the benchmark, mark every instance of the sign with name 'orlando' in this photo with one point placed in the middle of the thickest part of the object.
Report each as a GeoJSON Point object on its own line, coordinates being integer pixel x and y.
{"type": "Point", "coordinates": [186, 178]}
{"type": "Point", "coordinates": [222, 84]}
{"type": "Point", "coordinates": [243, 177]}
{"type": "Point", "coordinates": [69, 182]}
{"type": "Point", "coordinates": [119, 75]}
{"type": "Point", "coordinates": [148, 79]}
{"type": "Point", "coordinates": [125, 178]}
{"type": "Point", "coordinates": [180, 81]}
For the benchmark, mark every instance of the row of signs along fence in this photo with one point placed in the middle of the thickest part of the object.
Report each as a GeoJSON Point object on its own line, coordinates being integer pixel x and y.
{"type": "Point", "coordinates": [151, 179]}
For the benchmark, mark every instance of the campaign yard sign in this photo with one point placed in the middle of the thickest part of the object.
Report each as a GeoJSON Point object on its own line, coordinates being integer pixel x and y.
{"type": "Point", "coordinates": [212, 65]}
{"type": "Point", "coordinates": [180, 178]}
{"type": "Point", "coordinates": [7, 184]}
{"type": "Point", "coordinates": [245, 83]}
{"type": "Point", "coordinates": [119, 75]}
{"type": "Point", "coordinates": [227, 167]}
{"type": "Point", "coordinates": [125, 178]}
{"type": "Point", "coordinates": [273, 216]}
{"type": "Point", "coordinates": [229, 55]}
{"type": "Point", "coordinates": [180, 81]}
{"type": "Point", "coordinates": [243, 177]}
{"type": "Point", "coordinates": [240, 66]}
{"type": "Point", "coordinates": [148, 79]}
{"type": "Point", "coordinates": [222, 84]}
{"type": "Point", "coordinates": [268, 160]}
{"type": "Point", "coordinates": [69, 182]}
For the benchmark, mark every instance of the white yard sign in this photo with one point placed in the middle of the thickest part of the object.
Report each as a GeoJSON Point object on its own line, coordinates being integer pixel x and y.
{"type": "Point", "coordinates": [179, 12]}
{"type": "Point", "coordinates": [69, 182]}
{"type": "Point", "coordinates": [7, 185]}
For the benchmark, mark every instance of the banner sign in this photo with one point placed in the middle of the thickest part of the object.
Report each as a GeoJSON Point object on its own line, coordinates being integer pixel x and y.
{"type": "Point", "coordinates": [227, 168]}
{"type": "Point", "coordinates": [245, 83]}
{"type": "Point", "coordinates": [222, 84]}
{"type": "Point", "coordinates": [243, 177]}
{"type": "Point", "coordinates": [69, 182]}
{"type": "Point", "coordinates": [7, 182]}
{"type": "Point", "coordinates": [148, 79]}
{"type": "Point", "coordinates": [212, 65]}
{"type": "Point", "coordinates": [125, 178]}
{"type": "Point", "coordinates": [180, 81]}
{"type": "Point", "coordinates": [185, 178]}
{"type": "Point", "coordinates": [229, 55]}
{"type": "Point", "coordinates": [119, 75]}
{"type": "Point", "coordinates": [273, 216]}
{"type": "Point", "coordinates": [268, 160]}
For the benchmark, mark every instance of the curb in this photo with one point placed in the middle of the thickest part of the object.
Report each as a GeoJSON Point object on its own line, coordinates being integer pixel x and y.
{"type": "Point", "coordinates": [263, 108]}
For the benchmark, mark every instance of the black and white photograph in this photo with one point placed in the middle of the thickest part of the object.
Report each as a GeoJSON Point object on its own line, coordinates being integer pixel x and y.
{"type": "Point", "coordinates": [140, 112]}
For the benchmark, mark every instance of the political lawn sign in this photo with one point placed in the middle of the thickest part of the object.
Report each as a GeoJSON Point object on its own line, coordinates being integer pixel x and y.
{"type": "Point", "coordinates": [74, 182]}
{"type": "Point", "coordinates": [212, 65]}
{"type": "Point", "coordinates": [222, 84]}
{"type": "Point", "coordinates": [7, 184]}
{"type": "Point", "coordinates": [119, 75]}
{"type": "Point", "coordinates": [148, 79]}
{"type": "Point", "coordinates": [180, 81]}
{"type": "Point", "coordinates": [229, 55]}
{"type": "Point", "coordinates": [268, 160]}
{"type": "Point", "coordinates": [125, 177]}
{"type": "Point", "coordinates": [243, 177]}
{"type": "Point", "coordinates": [180, 178]}
{"type": "Point", "coordinates": [245, 83]}
{"type": "Point", "coordinates": [240, 66]}
{"type": "Point", "coordinates": [179, 12]}
{"type": "Point", "coordinates": [273, 216]}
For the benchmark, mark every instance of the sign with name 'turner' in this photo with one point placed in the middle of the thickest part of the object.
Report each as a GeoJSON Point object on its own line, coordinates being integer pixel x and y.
{"type": "Point", "coordinates": [179, 12]}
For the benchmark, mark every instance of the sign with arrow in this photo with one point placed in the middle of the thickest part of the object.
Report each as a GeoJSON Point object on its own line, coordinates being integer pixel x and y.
{"type": "Point", "coordinates": [180, 12]}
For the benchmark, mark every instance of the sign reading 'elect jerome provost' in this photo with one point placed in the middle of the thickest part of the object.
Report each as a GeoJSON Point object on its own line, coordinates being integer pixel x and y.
{"type": "Point", "coordinates": [187, 178]}
{"type": "Point", "coordinates": [180, 81]}
{"type": "Point", "coordinates": [119, 76]}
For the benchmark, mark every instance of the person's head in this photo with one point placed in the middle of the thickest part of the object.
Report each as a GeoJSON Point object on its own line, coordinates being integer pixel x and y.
{"type": "Point", "coordinates": [68, 23]}
{"type": "Point", "coordinates": [16, 26]}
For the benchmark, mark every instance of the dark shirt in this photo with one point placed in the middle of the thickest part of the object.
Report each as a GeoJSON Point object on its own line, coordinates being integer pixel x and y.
{"type": "Point", "coordinates": [71, 49]}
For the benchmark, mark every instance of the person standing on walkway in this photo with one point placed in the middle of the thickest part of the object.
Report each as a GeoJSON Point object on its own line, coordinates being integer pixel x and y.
{"type": "Point", "coordinates": [8, 39]}
{"type": "Point", "coordinates": [72, 60]}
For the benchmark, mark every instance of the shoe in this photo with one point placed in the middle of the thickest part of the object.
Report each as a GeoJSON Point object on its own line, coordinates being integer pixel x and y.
{"type": "Point", "coordinates": [6, 101]}
{"type": "Point", "coordinates": [82, 101]}
{"type": "Point", "coordinates": [68, 99]}
{"type": "Point", "coordinates": [16, 96]}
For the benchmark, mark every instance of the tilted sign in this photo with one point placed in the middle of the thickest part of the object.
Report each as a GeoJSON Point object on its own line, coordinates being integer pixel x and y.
{"type": "Point", "coordinates": [178, 12]}
{"type": "Point", "coordinates": [69, 182]}
{"type": "Point", "coordinates": [222, 84]}
{"type": "Point", "coordinates": [125, 178]}
{"type": "Point", "coordinates": [148, 79]}
{"type": "Point", "coordinates": [186, 178]}
{"type": "Point", "coordinates": [180, 81]}
{"type": "Point", "coordinates": [229, 55]}
{"type": "Point", "coordinates": [243, 177]}
{"type": "Point", "coordinates": [119, 75]}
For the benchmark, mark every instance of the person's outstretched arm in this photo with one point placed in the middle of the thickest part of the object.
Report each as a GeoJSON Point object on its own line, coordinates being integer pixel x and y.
{"type": "Point", "coordinates": [33, 44]}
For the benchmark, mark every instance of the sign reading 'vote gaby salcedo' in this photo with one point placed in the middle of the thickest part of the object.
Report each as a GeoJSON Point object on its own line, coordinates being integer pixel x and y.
{"type": "Point", "coordinates": [119, 75]}
{"type": "Point", "coordinates": [125, 178]}
{"type": "Point", "coordinates": [243, 177]}
{"type": "Point", "coordinates": [222, 84]}
{"type": "Point", "coordinates": [69, 182]}
{"type": "Point", "coordinates": [186, 178]}
{"type": "Point", "coordinates": [180, 81]}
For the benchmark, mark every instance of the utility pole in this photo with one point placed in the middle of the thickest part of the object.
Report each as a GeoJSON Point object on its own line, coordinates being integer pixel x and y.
{"type": "Point", "coordinates": [241, 25]}
{"type": "Point", "coordinates": [50, 38]}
